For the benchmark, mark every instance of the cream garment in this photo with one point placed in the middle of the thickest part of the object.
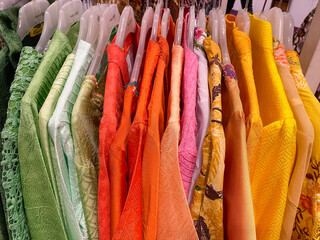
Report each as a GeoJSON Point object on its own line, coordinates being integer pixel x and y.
{"type": "Point", "coordinates": [60, 131]}
{"type": "Point", "coordinates": [202, 104]}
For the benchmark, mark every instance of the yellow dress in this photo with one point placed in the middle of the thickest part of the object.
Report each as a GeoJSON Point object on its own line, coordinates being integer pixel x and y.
{"type": "Point", "coordinates": [273, 165]}
{"type": "Point", "coordinates": [207, 206]}
{"type": "Point", "coordinates": [307, 222]}
{"type": "Point", "coordinates": [239, 46]}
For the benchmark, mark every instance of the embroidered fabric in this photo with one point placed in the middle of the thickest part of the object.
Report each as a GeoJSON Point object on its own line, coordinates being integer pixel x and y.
{"type": "Point", "coordinates": [28, 64]}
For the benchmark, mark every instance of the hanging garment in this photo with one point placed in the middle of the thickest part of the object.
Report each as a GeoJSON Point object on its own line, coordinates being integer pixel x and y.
{"type": "Point", "coordinates": [202, 103]}
{"type": "Point", "coordinates": [187, 146]}
{"type": "Point", "coordinates": [172, 199]}
{"type": "Point", "coordinates": [117, 78]}
{"type": "Point", "coordinates": [307, 221]}
{"type": "Point", "coordinates": [273, 167]}
{"type": "Point", "coordinates": [46, 142]}
{"type": "Point", "coordinates": [305, 136]}
{"type": "Point", "coordinates": [118, 156]}
{"type": "Point", "coordinates": [28, 64]}
{"type": "Point", "coordinates": [156, 124]}
{"type": "Point", "coordinates": [207, 205]}
{"type": "Point", "coordinates": [41, 206]}
{"type": "Point", "coordinates": [239, 47]}
{"type": "Point", "coordinates": [85, 120]}
{"type": "Point", "coordinates": [60, 132]}
{"type": "Point", "coordinates": [11, 46]}
{"type": "Point", "coordinates": [237, 200]}
{"type": "Point", "coordinates": [130, 224]}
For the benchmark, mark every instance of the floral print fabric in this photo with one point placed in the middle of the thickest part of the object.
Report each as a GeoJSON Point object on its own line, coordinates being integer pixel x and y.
{"type": "Point", "coordinates": [207, 204]}
{"type": "Point", "coordinates": [307, 219]}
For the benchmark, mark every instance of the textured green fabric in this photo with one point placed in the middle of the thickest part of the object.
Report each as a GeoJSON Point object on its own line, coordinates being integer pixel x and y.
{"type": "Point", "coordinates": [46, 142]}
{"type": "Point", "coordinates": [60, 131]}
{"type": "Point", "coordinates": [9, 57]}
{"type": "Point", "coordinates": [28, 64]}
{"type": "Point", "coordinates": [41, 204]}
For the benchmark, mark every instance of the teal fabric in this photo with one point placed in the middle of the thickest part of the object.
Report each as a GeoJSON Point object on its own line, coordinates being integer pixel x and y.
{"type": "Point", "coordinates": [28, 64]}
{"type": "Point", "coordinates": [9, 57]}
{"type": "Point", "coordinates": [41, 202]}
{"type": "Point", "coordinates": [60, 132]}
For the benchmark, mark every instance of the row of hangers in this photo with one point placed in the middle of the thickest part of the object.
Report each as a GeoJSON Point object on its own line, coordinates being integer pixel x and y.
{"type": "Point", "coordinates": [97, 22]}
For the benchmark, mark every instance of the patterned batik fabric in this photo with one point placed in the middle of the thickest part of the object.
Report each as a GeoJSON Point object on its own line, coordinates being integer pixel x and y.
{"type": "Point", "coordinates": [307, 220]}
{"type": "Point", "coordinates": [85, 120]}
{"type": "Point", "coordinates": [207, 205]}
{"type": "Point", "coordinates": [28, 64]}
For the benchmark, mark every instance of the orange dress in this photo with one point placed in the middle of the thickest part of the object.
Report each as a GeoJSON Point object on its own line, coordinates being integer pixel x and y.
{"type": "Point", "coordinates": [117, 77]}
{"type": "Point", "coordinates": [172, 199]}
{"type": "Point", "coordinates": [151, 151]}
{"type": "Point", "coordinates": [118, 166]}
{"type": "Point", "coordinates": [238, 213]}
{"type": "Point", "coordinates": [130, 224]}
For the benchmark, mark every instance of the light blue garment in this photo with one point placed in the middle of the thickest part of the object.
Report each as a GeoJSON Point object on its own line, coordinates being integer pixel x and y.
{"type": "Point", "coordinates": [202, 107]}
{"type": "Point", "coordinates": [60, 132]}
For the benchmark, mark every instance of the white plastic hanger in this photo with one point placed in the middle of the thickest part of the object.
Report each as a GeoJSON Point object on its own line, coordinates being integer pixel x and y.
{"type": "Point", "coordinates": [202, 17]}
{"type": "Point", "coordinates": [127, 25]}
{"type": "Point", "coordinates": [223, 38]}
{"type": "Point", "coordinates": [243, 20]}
{"type": "Point", "coordinates": [156, 20]}
{"type": "Point", "coordinates": [275, 17]}
{"type": "Point", "coordinates": [50, 24]}
{"type": "Point", "coordinates": [191, 25]}
{"type": "Point", "coordinates": [30, 15]}
{"type": "Point", "coordinates": [146, 25]}
{"type": "Point", "coordinates": [84, 21]}
{"type": "Point", "coordinates": [288, 29]}
{"type": "Point", "coordinates": [109, 19]}
{"type": "Point", "coordinates": [165, 22]}
{"type": "Point", "coordinates": [69, 14]}
{"type": "Point", "coordinates": [5, 4]}
{"type": "Point", "coordinates": [94, 26]}
{"type": "Point", "coordinates": [214, 24]}
{"type": "Point", "coordinates": [179, 26]}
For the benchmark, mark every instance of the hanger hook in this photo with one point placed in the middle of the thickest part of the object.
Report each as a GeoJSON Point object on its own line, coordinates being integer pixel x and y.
{"type": "Point", "coordinates": [166, 4]}
{"type": "Point", "coordinates": [182, 3]}
{"type": "Point", "coordinates": [247, 4]}
{"type": "Point", "coordinates": [147, 4]}
{"type": "Point", "coordinates": [264, 6]}
{"type": "Point", "coordinates": [280, 3]}
{"type": "Point", "coordinates": [128, 2]}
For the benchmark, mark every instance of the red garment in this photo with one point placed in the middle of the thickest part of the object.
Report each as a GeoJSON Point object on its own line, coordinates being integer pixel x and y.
{"type": "Point", "coordinates": [151, 152]}
{"type": "Point", "coordinates": [130, 224]}
{"type": "Point", "coordinates": [117, 78]}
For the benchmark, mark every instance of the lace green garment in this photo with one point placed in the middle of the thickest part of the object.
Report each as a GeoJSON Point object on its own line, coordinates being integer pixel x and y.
{"type": "Point", "coordinates": [28, 64]}
{"type": "Point", "coordinates": [41, 204]}
{"type": "Point", "coordinates": [46, 142]}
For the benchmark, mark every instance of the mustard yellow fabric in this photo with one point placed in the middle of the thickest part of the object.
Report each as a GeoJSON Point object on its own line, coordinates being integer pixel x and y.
{"type": "Point", "coordinates": [307, 220]}
{"type": "Point", "coordinates": [207, 205]}
{"type": "Point", "coordinates": [304, 139]}
{"type": "Point", "coordinates": [273, 165]}
{"type": "Point", "coordinates": [239, 46]}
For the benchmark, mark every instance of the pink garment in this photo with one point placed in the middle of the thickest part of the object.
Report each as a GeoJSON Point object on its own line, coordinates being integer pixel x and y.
{"type": "Point", "coordinates": [187, 147]}
{"type": "Point", "coordinates": [202, 104]}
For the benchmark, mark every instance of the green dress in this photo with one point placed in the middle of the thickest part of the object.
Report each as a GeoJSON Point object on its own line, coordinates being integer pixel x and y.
{"type": "Point", "coordinates": [11, 46]}
{"type": "Point", "coordinates": [28, 64]}
{"type": "Point", "coordinates": [42, 207]}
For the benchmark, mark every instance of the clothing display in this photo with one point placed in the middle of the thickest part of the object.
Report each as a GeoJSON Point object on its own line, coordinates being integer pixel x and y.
{"type": "Point", "coordinates": [139, 125]}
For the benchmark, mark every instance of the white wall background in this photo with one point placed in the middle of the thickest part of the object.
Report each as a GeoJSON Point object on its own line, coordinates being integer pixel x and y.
{"type": "Point", "coordinates": [299, 9]}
